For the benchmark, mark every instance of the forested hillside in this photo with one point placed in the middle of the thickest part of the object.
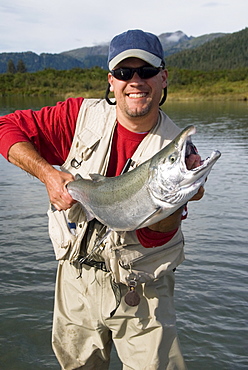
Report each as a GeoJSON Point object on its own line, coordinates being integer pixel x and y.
{"type": "Point", "coordinates": [227, 52]}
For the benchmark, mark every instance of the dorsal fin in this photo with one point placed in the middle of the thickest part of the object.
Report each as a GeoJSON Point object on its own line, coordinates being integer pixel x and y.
{"type": "Point", "coordinates": [96, 177]}
{"type": "Point", "coordinates": [78, 177]}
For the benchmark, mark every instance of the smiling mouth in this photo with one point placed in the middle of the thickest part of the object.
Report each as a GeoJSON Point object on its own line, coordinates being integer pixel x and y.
{"type": "Point", "coordinates": [137, 95]}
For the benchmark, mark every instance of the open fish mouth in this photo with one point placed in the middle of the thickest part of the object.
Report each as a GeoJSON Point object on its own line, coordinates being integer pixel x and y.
{"type": "Point", "coordinates": [209, 161]}
{"type": "Point", "coordinates": [192, 179]}
{"type": "Point", "coordinates": [205, 165]}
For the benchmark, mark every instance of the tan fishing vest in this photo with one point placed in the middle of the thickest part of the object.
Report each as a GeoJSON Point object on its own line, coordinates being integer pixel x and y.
{"type": "Point", "coordinates": [89, 153]}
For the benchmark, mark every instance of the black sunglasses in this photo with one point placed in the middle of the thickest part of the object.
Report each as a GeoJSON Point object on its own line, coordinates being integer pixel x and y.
{"type": "Point", "coordinates": [125, 74]}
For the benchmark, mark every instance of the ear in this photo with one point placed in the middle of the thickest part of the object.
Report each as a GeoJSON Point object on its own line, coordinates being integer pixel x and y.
{"type": "Point", "coordinates": [110, 81]}
{"type": "Point", "coordinates": [164, 77]}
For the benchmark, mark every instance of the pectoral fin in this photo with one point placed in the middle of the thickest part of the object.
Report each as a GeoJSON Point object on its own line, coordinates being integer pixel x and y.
{"type": "Point", "coordinates": [157, 210]}
{"type": "Point", "coordinates": [89, 215]}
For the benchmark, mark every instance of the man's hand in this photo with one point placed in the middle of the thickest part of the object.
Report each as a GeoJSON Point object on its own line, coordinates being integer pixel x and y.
{"type": "Point", "coordinates": [56, 182]}
{"type": "Point", "coordinates": [169, 223]}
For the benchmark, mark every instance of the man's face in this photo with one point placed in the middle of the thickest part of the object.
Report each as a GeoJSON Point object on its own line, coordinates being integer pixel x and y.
{"type": "Point", "coordinates": [137, 97]}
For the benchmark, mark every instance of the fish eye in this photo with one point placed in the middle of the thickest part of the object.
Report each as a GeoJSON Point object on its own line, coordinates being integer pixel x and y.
{"type": "Point", "coordinates": [172, 158]}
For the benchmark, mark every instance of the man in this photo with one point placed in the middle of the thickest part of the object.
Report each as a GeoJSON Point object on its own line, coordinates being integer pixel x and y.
{"type": "Point", "coordinates": [97, 300]}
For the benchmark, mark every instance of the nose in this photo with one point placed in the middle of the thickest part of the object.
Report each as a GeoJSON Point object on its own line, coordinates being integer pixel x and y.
{"type": "Point", "coordinates": [136, 78]}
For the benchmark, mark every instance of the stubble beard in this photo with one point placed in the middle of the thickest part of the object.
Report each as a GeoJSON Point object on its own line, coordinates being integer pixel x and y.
{"type": "Point", "coordinates": [138, 112]}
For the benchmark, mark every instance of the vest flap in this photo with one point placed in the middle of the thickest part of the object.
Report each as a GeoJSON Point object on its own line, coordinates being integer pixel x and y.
{"type": "Point", "coordinates": [88, 138]}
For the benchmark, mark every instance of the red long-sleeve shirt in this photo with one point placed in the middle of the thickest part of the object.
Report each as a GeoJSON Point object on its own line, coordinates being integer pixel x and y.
{"type": "Point", "coordinates": [51, 131]}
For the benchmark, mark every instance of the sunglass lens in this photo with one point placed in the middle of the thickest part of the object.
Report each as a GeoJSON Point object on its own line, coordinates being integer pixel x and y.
{"type": "Point", "coordinates": [148, 72]}
{"type": "Point", "coordinates": [125, 74]}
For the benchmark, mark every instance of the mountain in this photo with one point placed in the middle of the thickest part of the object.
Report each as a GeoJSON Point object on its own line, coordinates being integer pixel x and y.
{"type": "Point", "coordinates": [88, 52]}
{"type": "Point", "coordinates": [177, 41]}
{"type": "Point", "coordinates": [172, 42]}
{"type": "Point", "coordinates": [35, 62]}
{"type": "Point", "coordinates": [179, 49]}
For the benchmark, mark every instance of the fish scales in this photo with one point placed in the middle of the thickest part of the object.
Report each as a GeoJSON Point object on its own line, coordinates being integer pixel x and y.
{"type": "Point", "coordinates": [109, 195]}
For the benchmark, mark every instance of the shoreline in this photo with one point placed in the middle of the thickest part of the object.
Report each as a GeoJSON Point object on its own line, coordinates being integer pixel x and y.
{"type": "Point", "coordinates": [172, 96]}
{"type": "Point", "coordinates": [218, 97]}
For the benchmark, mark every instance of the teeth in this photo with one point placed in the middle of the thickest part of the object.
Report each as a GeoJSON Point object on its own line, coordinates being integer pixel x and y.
{"type": "Point", "coordinates": [139, 95]}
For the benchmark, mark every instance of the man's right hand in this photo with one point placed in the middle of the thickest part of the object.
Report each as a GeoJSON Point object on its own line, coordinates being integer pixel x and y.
{"type": "Point", "coordinates": [56, 182]}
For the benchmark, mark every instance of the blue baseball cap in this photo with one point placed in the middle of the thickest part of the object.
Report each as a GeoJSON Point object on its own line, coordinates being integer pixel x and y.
{"type": "Point", "coordinates": [136, 44]}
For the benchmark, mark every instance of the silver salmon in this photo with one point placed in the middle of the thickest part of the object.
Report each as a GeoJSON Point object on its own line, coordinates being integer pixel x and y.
{"type": "Point", "coordinates": [147, 194]}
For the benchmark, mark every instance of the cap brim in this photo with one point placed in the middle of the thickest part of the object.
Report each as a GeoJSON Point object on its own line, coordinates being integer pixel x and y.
{"type": "Point", "coordinates": [135, 53]}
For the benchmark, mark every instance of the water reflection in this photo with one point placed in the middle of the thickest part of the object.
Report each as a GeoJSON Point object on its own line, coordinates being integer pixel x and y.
{"type": "Point", "coordinates": [8, 104]}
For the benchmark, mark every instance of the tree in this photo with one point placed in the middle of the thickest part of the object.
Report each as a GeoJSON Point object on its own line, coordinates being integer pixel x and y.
{"type": "Point", "coordinates": [11, 67]}
{"type": "Point", "coordinates": [21, 68]}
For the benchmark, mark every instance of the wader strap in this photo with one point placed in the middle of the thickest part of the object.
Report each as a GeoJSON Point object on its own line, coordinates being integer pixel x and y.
{"type": "Point", "coordinates": [97, 264]}
{"type": "Point", "coordinates": [117, 292]}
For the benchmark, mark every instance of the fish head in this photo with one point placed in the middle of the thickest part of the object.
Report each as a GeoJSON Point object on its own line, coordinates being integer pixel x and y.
{"type": "Point", "coordinates": [169, 180]}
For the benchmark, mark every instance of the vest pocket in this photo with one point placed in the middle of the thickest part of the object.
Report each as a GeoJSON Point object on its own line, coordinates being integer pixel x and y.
{"type": "Point", "coordinates": [61, 236]}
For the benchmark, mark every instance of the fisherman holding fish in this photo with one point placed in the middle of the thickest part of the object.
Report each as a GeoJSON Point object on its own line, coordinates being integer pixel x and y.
{"type": "Point", "coordinates": [114, 283]}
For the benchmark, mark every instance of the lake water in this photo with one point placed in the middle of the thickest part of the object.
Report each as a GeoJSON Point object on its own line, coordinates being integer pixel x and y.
{"type": "Point", "coordinates": [211, 285]}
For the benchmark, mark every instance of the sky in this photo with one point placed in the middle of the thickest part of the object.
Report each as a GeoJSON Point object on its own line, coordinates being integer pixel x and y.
{"type": "Point", "coordinates": [54, 26]}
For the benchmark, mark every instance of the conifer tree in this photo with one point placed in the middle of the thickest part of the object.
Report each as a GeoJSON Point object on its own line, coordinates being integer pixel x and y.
{"type": "Point", "coordinates": [11, 67]}
{"type": "Point", "coordinates": [21, 68]}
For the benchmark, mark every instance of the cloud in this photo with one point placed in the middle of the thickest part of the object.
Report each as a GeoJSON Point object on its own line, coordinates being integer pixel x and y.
{"type": "Point", "coordinates": [55, 26]}
{"type": "Point", "coordinates": [210, 4]}
{"type": "Point", "coordinates": [213, 4]}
